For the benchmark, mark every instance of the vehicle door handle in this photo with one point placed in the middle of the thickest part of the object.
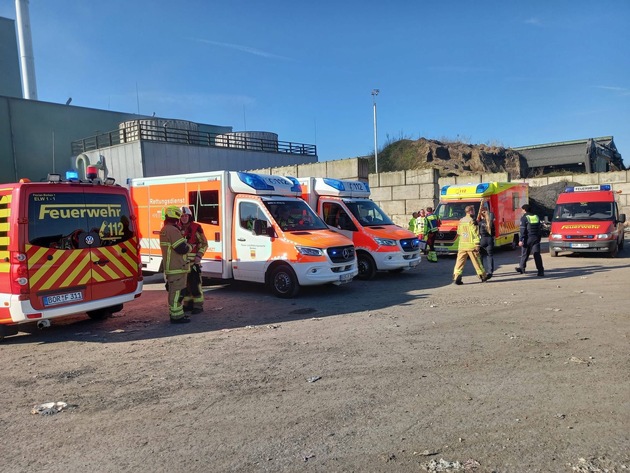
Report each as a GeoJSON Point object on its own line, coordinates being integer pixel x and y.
{"type": "Point", "coordinates": [241, 239]}
{"type": "Point", "coordinates": [101, 262]}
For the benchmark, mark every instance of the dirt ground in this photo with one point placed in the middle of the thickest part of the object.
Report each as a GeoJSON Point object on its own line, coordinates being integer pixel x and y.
{"type": "Point", "coordinates": [403, 373]}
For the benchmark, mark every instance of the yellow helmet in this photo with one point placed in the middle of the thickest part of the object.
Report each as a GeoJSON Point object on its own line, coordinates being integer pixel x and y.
{"type": "Point", "coordinates": [172, 211]}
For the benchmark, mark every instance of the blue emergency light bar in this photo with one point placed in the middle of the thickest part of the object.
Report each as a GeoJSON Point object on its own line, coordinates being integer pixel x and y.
{"type": "Point", "coordinates": [481, 188]}
{"type": "Point", "coordinates": [254, 181]}
{"type": "Point", "coordinates": [335, 184]}
{"type": "Point", "coordinates": [602, 187]}
{"type": "Point", "coordinates": [72, 176]}
{"type": "Point", "coordinates": [296, 185]}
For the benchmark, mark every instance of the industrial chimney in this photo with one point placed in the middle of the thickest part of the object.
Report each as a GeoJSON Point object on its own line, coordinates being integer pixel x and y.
{"type": "Point", "coordinates": [27, 61]}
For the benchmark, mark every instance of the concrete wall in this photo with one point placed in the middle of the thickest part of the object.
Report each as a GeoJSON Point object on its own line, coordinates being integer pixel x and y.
{"type": "Point", "coordinates": [403, 192]}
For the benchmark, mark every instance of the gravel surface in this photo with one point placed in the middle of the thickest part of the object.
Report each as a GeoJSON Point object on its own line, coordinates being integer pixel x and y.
{"type": "Point", "coordinates": [403, 373]}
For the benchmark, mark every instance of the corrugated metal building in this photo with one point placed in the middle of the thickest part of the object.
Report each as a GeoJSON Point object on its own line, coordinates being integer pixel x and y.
{"type": "Point", "coordinates": [579, 156]}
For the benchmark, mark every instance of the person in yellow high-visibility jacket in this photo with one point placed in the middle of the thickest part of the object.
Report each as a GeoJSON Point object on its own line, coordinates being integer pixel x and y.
{"type": "Point", "coordinates": [175, 251]}
{"type": "Point", "coordinates": [468, 247]}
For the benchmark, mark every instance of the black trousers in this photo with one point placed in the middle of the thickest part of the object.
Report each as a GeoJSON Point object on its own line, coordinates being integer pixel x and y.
{"type": "Point", "coordinates": [531, 247]}
{"type": "Point", "coordinates": [486, 248]}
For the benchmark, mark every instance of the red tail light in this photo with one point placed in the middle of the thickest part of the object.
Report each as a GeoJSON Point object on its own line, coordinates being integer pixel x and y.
{"type": "Point", "coordinates": [19, 274]}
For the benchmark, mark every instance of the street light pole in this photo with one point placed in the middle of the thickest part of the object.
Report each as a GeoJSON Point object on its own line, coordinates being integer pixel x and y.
{"type": "Point", "coordinates": [374, 94]}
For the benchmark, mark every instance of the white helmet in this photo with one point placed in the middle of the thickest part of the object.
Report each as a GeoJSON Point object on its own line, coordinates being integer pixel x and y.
{"type": "Point", "coordinates": [186, 210]}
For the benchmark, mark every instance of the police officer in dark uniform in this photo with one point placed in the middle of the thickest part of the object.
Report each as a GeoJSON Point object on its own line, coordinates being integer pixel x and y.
{"type": "Point", "coordinates": [530, 235]}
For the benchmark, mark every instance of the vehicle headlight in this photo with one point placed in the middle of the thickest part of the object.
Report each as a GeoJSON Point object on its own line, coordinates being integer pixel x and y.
{"type": "Point", "coordinates": [385, 241]}
{"type": "Point", "coordinates": [556, 236]}
{"type": "Point", "coordinates": [309, 251]}
{"type": "Point", "coordinates": [604, 236]}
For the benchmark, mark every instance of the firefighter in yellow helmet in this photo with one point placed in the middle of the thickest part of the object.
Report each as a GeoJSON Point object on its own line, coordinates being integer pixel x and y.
{"type": "Point", "coordinates": [468, 247]}
{"type": "Point", "coordinates": [175, 251]}
{"type": "Point", "coordinates": [193, 301]}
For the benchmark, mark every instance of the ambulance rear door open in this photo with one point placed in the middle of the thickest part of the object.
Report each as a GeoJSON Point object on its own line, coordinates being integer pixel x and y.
{"type": "Point", "coordinates": [80, 246]}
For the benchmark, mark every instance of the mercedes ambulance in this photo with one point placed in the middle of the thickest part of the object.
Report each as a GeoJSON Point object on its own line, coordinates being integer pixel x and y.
{"type": "Point", "coordinates": [587, 219]}
{"type": "Point", "coordinates": [66, 247]}
{"type": "Point", "coordinates": [258, 229]}
{"type": "Point", "coordinates": [503, 199]}
{"type": "Point", "coordinates": [346, 208]}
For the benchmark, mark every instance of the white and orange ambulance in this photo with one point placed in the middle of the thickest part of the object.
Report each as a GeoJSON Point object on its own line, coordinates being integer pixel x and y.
{"type": "Point", "coordinates": [258, 229]}
{"type": "Point", "coordinates": [503, 199]}
{"type": "Point", "coordinates": [587, 219]}
{"type": "Point", "coordinates": [346, 208]}
{"type": "Point", "coordinates": [66, 247]}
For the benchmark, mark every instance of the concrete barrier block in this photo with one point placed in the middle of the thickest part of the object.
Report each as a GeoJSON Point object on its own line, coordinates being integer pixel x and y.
{"type": "Point", "coordinates": [405, 192]}
{"type": "Point", "coordinates": [373, 181]}
{"type": "Point", "coordinates": [380, 193]}
{"type": "Point", "coordinates": [392, 178]}
{"type": "Point", "coordinates": [421, 176]}
{"type": "Point", "coordinates": [393, 207]}
{"type": "Point", "coordinates": [612, 177]}
{"type": "Point", "coordinates": [285, 171]}
{"type": "Point", "coordinates": [314, 170]}
{"type": "Point", "coordinates": [586, 179]}
{"type": "Point", "coordinates": [429, 192]}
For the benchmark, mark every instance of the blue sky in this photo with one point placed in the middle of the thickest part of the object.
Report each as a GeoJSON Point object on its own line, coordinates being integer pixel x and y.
{"type": "Point", "coordinates": [505, 72]}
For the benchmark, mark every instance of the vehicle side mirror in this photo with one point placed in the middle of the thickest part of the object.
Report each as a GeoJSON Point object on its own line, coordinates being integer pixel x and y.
{"type": "Point", "coordinates": [546, 219]}
{"type": "Point", "coordinates": [259, 227]}
{"type": "Point", "coordinates": [622, 218]}
{"type": "Point", "coordinates": [271, 232]}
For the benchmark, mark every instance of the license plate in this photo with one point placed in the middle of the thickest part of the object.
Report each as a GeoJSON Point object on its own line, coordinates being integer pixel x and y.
{"type": "Point", "coordinates": [345, 277]}
{"type": "Point", "coordinates": [441, 249]}
{"type": "Point", "coordinates": [63, 298]}
{"type": "Point", "coordinates": [579, 245]}
{"type": "Point", "coordinates": [422, 245]}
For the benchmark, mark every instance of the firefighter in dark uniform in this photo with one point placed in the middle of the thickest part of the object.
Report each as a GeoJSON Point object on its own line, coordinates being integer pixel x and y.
{"type": "Point", "coordinates": [530, 235]}
{"type": "Point", "coordinates": [175, 260]}
{"type": "Point", "coordinates": [192, 231]}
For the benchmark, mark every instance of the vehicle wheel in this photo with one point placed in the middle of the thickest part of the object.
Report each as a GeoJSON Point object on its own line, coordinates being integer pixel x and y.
{"type": "Point", "coordinates": [284, 282]}
{"type": "Point", "coordinates": [367, 267]}
{"type": "Point", "coordinates": [99, 314]}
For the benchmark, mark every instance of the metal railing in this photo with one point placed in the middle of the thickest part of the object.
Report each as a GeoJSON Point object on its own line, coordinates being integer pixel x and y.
{"type": "Point", "coordinates": [142, 131]}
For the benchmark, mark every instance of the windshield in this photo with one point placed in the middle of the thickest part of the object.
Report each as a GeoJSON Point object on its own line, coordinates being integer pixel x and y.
{"type": "Point", "coordinates": [368, 213]}
{"type": "Point", "coordinates": [294, 215]}
{"type": "Point", "coordinates": [454, 210]}
{"type": "Point", "coordinates": [573, 211]}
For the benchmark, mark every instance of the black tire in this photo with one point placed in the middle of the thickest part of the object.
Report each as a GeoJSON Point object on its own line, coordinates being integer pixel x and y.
{"type": "Point", "coordinates": [284, 282]}
{"type": "Point", "coordinates": [99, 314]}
{"type": "Point", "coordinates": [367, 266]}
